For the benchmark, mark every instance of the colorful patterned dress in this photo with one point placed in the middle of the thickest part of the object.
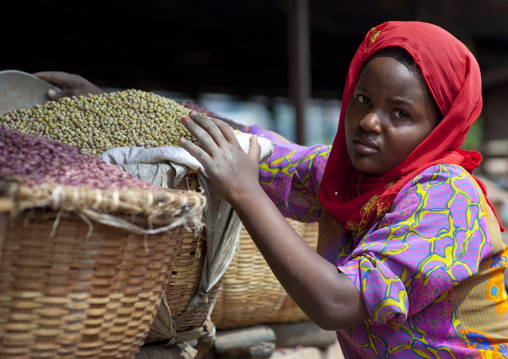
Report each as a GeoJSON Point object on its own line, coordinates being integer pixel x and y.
{"type": "Point", "coordinates": [431, 271]}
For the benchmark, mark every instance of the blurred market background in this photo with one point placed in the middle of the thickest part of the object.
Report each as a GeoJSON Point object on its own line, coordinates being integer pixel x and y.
{"type": "Point", "coordinates": [280, 64]}
{"type": "Point", "coordinates": [249, 60]}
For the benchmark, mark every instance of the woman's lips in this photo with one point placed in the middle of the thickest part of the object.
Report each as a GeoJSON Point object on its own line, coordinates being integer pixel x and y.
{"type": "Point", "coordinates": [365, 146]}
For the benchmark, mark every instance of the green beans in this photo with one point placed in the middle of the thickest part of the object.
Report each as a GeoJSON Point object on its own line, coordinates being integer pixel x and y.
{"type": "Point", "coordinates": [98, 123]}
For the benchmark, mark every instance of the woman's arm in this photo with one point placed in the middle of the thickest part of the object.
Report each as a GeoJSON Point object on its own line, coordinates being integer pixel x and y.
{"type": "Point", "coordinates": [328, 297]}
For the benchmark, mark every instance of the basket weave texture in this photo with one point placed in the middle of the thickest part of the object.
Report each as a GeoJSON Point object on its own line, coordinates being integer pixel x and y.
{"type": "Point", "coordinates": [75, 287]}
{"type": "Point", "coordinates": [250, 294]}
{"type": "Point", "coordinates": [187, 271]}
{"type": "Point", "coordinates": [184, 282]}
{"type": "Point", "coordinates": [289, 311]}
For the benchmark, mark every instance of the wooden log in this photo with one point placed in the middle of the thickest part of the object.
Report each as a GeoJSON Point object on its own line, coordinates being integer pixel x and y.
{"type": "Point", "coordinates": [306, 334]}
{"type": "Point", "coordinates": [256, 342]}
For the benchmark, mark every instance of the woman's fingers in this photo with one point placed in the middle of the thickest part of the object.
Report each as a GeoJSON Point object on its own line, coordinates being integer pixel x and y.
{"type": "Point", "coordinates": [254, 149]}
{"type": "Point", "coordinates": [217, 129]}
{"type": "Point", "coordinates": [208, 125]}
{"type": "Point", "coordinates": [226, 130]}
{"type": "Point", "coordinates": [220, 153]}
{"type": "Point", "coordinates": [217, 140]}
{"type": "Point", "coordinates": [202, 134]}
{"type": "Point", "coordinates": [195, 151]}
{"type": "Point", "coordinates": [210, 132]}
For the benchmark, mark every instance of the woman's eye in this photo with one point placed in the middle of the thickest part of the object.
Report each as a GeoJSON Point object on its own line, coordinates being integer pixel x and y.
{"type": "Point", "coordinates": [362, 99]}
{"type": "Point", "coordinates": [401, 114]}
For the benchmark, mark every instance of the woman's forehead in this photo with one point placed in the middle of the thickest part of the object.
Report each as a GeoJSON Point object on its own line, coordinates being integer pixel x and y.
{"type": "Point", "coordinates": [389, 71]}
{"type": "Point", "coordinates": [399, 82]}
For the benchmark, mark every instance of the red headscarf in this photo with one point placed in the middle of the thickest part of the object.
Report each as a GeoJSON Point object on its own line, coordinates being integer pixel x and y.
{"type": "Point", "coordinates": [453, 78]}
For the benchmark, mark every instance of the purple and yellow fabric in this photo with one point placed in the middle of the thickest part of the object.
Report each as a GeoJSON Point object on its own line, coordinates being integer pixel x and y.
{"type": "Point", "coordinates": [431, 271]}
{"type": "Point", "coordinates": [291, 176]}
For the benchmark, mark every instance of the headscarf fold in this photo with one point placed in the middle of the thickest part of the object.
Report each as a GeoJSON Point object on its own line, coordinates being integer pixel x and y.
{"type": "Point", "coordinates": [453, 77]}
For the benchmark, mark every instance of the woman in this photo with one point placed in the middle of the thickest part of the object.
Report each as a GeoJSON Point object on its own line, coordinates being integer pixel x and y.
{"type": "Point", "coordinates": [410, 259]}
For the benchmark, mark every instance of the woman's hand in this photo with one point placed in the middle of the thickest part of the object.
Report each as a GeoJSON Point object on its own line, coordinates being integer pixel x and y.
{"type": "Point", "coordinates": [327, 296]}
{"type": "Point", "coordinates": [71, 85]}
{"type": "Point", "coordinates": [233, 172]}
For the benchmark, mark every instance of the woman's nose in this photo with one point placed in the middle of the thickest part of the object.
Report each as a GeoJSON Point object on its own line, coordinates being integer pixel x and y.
{"type": "Point", "coordinates": [371, 123]}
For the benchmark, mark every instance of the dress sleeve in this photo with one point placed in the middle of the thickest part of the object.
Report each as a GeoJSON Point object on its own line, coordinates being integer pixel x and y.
{"type": "Point", "coordinates": [434, 237]}
{"type": "Point", "coordinates": [292, 174]}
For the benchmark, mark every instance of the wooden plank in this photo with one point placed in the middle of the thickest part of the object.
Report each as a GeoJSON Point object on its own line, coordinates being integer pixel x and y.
{"type": "Point", "coordinates": [255, 342]}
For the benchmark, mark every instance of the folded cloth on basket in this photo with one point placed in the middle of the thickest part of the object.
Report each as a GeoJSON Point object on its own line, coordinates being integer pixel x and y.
{"type": "Point", "coordinates": [177, 154]}
{"type": "Point", "coordinates": [166, 167]}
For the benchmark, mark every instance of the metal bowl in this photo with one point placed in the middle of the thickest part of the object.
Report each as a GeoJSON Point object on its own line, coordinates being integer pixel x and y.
{"type": "Point", "coordinates": [19, 89]}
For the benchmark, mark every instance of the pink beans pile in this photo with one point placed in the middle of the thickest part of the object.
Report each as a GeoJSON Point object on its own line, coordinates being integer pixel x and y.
{"type": "Point", "coordinates": [39, 160]}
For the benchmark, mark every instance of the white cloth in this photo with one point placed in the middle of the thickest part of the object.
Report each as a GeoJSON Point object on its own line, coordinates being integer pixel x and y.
{"type": "Point", "coordinates": [177, 154]}
{"type": "Point", "coordinates": [165, 167]}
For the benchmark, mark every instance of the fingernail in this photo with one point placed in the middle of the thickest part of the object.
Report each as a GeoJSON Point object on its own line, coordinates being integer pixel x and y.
{"type": "Point", "coordinates": [185, 120]}
{"type": "Point", "coordinates": [192, 113]}
{"type": "Point", "coordinates": [51, 93]}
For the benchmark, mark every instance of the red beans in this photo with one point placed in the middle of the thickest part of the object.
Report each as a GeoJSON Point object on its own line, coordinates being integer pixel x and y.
{"type": "Point", "coordinates": [39, 160]}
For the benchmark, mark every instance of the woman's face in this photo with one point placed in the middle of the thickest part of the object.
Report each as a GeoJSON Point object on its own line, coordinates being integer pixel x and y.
{"type": "Point", "coordinates": [391, 113]}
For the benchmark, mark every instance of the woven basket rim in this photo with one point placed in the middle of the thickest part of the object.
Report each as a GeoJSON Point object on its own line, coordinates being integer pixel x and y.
{"type": "Point", "coordinates": [147, 212]}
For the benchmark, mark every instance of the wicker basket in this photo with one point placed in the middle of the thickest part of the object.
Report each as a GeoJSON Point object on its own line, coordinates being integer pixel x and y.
{"type": "Point", "coordinates": [289, 311]}
{"type": "Point", "coordinates": [186, 274]}
{"type": "Point", "coordinates": [184, 282]}
{"type": "Point", "coordinates": [250, 293]}
{"type": "Point", "coordinates": [73, 285]}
